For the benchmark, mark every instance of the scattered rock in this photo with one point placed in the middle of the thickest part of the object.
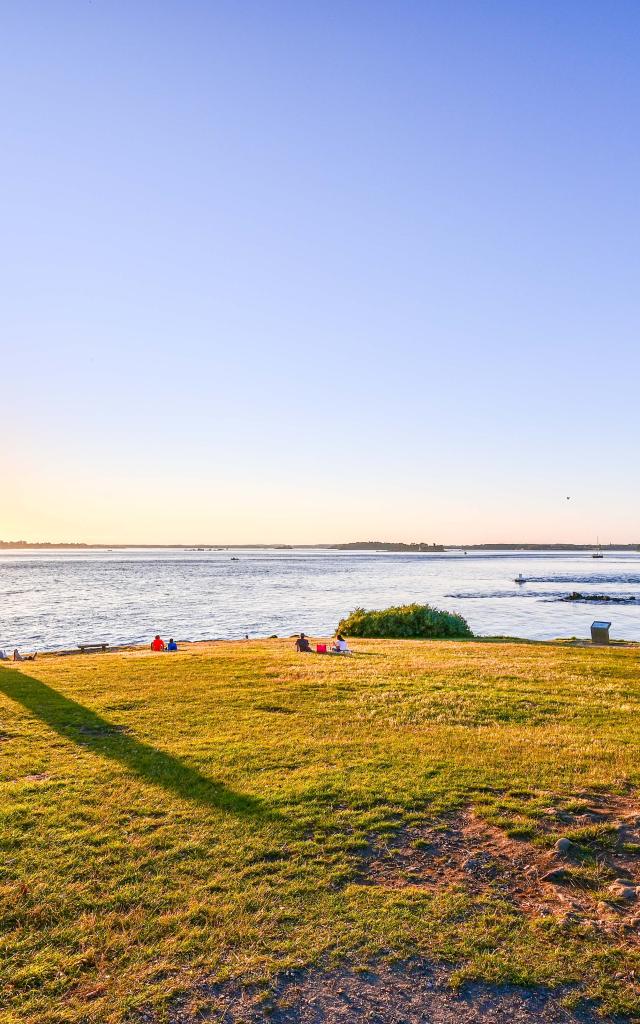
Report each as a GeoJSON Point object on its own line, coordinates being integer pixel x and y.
{"type": "Point", "coordinates": [406, 992]}
{"type": "Point", "coordinates": [557, 877]}
{"type": "Point", "coordinates": [462, 849]}
{"type": "Point", "coordinates": [571, 918]}
{"type": "Point", "coordinates": [573, 905]}
{"type": "Point", "coordinates": [631, 925]}
{"type": "Point", "coordinates": [621, 891]}
{"type": "Point", "coordinates": [477, 862]}
{"type": "Point", "coordinates": [566, 848]}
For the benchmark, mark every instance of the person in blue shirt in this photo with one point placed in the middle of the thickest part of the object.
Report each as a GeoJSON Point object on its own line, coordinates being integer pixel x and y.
{"type": "Point", "coordinates": [172, 645]}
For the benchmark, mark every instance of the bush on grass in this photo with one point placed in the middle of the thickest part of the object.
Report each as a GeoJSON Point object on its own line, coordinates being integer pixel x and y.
{"type": "Point", "coordinates": [409, 621]}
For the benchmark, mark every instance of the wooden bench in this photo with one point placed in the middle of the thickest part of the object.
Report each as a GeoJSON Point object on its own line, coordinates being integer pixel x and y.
{"type": "Point", "coordinates": [92, 648]}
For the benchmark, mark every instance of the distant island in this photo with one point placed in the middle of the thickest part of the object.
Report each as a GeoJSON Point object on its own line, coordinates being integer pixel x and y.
{"type": "Point", "coordinates": [543, 547]}
{"type": "Point", "coordinates": [378, 545]}
{"type": "Point", "coordinates": [44, 544]}
{"type": "Point", "coordinates": [383, 545]}
{"type": "Point", "coordinates": [359, 545]}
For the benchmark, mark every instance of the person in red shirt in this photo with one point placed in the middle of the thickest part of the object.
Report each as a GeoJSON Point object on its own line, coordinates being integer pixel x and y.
{"type": "Point", "coordinates": [157, 644]}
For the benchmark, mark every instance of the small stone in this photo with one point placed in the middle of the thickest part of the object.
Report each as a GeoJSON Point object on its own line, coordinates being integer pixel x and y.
{"type": "Point", "coordinates": [476, 861]}
{"type": "Point", "coordinates": [622, 892]}
{"type": "Point", "coordinates": [556, 877]}
{"type": "Point", "coordinates": [572, 918]}
{"type": "Point", "coordinates": [565, 847]}
{"type": "Point", "coordinates": [631, 925]}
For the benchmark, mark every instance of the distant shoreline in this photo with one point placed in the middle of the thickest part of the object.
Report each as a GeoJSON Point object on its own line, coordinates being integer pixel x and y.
{"type": "Point", "coordinates": [382, 546]}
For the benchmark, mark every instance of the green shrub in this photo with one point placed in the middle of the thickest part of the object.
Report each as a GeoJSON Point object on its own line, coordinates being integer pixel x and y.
{"type": "Point", "coordinates": [408, 621]}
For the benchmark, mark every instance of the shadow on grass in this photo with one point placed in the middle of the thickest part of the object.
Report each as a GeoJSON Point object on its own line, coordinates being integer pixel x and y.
{"type": "Point", "coordinates": [85, 727]}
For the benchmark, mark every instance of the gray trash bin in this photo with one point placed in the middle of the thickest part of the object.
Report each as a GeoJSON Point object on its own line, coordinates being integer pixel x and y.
{"type": "Point", "coordinates": [600, 632]}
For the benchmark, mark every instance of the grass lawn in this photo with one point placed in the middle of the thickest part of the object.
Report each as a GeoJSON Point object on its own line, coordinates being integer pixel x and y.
{"type": "Point", "coordinates": [236, 811]}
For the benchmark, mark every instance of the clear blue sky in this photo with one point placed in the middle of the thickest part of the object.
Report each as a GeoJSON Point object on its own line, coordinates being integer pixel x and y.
{"type": "Point", "coordinates": [320, 271]}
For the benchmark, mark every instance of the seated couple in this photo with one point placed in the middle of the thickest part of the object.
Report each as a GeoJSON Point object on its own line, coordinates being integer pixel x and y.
{"type": "Point", "coordinates": [339, 646]}
{"type": "Point", "coordinates": [17, 656]}
{"type": "Point", "coordinates": [159, 645]}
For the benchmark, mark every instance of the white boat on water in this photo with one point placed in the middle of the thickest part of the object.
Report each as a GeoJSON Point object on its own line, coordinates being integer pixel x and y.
{"type": "Point", "coordinates": [598, 552]}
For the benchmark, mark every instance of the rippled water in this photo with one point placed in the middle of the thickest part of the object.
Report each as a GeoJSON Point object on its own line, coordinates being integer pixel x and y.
{"type": "Point", "coordinates": [56, 599]}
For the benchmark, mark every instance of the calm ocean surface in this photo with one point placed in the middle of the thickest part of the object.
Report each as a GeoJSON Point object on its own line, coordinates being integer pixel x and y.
{"type": "Point", "coordinates": [56, 599]}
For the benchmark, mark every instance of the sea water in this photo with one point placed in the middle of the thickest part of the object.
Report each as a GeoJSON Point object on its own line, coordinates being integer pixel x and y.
{"type": "Point", "coordinates": [53, 599]}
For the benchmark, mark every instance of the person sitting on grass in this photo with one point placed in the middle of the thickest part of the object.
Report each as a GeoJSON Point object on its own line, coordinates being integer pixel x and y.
{"type": "Point", "coordinates": [157, 644]}
{"type": "Point", "coordinates": [172, 645]}
{"type": "Point", "coordinates": [24, 657]}
{"type": "Point", "coordinates": [339, 644]}
{"type": "Point", "coordinates": [303, 645]}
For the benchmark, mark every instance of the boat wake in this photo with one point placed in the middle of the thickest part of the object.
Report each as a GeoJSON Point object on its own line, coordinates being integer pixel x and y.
{"type": "Point", "coordinates": [598, 578]}
{"type": "Point", "coordinates": [574, 596]}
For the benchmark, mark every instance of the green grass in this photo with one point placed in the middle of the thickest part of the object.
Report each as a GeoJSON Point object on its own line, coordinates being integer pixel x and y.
{"type": "Point", "coordinates": [202, 816]}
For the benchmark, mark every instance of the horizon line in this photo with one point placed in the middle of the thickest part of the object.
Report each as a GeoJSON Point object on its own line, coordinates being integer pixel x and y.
{"type": "Point", "coordinates": [318, 544]}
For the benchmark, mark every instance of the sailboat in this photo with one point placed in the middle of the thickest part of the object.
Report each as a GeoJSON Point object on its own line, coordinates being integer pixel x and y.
{"type": "Point", "coordinates": [598, 552]}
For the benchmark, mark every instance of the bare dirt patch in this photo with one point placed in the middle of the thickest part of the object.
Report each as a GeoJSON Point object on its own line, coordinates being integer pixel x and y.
{"type": "Point", "coordinates": [127, 705]}
{"type": "Point", "coordinates": [97, 731]}
{"type": "Point", "coordinates": [465, 850]}
{"type": "Point", "coordinates": [411, 992]}
{"type": "Point", "coordinates": [580, 885]}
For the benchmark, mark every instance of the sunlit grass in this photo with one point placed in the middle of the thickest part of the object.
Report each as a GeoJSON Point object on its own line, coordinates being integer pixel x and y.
{"type": "Point", "coordinates": [173, 818]}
